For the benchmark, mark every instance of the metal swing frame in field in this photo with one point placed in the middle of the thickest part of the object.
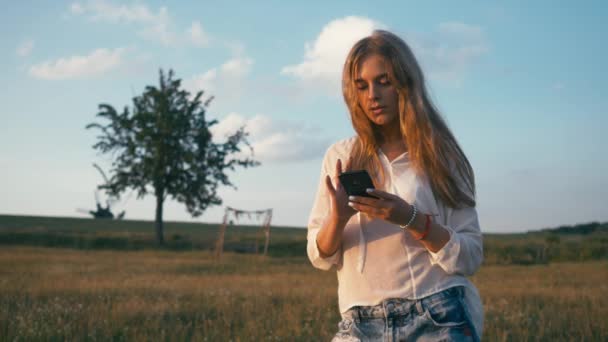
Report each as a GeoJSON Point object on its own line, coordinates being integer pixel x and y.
{"type": "Point", "coordinates": [267, 213]}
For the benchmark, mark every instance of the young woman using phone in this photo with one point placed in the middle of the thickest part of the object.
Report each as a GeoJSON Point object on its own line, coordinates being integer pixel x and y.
{"type": "Point", "coordinates": [402, 258]}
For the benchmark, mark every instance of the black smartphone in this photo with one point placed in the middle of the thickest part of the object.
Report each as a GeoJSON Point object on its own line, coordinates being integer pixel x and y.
{"type": "Point", "coordinates": [356, 182]}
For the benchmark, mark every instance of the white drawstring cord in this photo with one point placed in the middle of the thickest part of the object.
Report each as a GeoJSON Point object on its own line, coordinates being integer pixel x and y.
{"type": "Point", "coordinates": [362, 244]}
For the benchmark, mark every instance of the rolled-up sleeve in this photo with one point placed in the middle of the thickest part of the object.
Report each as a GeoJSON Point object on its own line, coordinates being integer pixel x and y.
{"type": "Point", "coordinates": [463, 253]}
{"type": "Point", "coordinates": [313, 253]}
{"type": "Point", "coordinates": [318, 215]}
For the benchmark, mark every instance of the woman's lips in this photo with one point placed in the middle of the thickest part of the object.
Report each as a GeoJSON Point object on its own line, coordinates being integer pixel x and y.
{"type": "Point", "coordinates": [377, 110]}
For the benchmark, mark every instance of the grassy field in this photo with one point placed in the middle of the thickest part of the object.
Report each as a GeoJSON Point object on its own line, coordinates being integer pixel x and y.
{"type": "Point", "coordinates": [63, 294]}
{"type": "Point", "coordinates": [122, 289]}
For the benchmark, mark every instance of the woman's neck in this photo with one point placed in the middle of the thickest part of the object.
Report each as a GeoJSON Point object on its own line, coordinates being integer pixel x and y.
{"type": "Point", "coordinates": [390, 138]}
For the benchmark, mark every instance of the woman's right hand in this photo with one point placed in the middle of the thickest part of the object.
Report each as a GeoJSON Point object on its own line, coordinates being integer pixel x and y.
{"type": "Point", "coordinates": [340, 209]}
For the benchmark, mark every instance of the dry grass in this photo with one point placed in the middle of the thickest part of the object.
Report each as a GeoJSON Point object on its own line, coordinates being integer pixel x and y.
{"type": "Point", "coordinates": [58, 294]}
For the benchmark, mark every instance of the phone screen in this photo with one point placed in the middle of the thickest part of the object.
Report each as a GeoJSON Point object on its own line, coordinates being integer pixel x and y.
{"type": "Point", "coordinates": [356, 182]}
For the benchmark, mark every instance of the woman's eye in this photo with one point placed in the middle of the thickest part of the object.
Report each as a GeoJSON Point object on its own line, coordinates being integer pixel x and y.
{"type": "Point", "coordinates": [384, 81]}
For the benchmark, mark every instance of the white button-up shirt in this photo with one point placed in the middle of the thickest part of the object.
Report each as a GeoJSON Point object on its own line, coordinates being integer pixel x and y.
{"type": "Point", "coordinates": [379, 260]}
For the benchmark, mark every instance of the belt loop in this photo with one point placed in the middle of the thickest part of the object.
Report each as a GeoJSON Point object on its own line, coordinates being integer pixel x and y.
{"type": "Point", "coordinates": [419, 307]}
{"type": "Point", "coordinates": [358, 316]}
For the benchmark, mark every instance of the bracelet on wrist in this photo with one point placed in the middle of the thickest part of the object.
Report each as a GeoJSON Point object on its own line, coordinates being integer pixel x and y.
{"type": "Point", "coordinates": [407, 225]}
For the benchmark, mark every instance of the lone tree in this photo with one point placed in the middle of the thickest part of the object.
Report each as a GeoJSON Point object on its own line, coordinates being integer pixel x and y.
{"type": "Point", "coordinates": [164, 146]}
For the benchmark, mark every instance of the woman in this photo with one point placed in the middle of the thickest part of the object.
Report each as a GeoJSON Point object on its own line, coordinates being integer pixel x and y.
{"type": "Point", "coordinates": [402, 257]}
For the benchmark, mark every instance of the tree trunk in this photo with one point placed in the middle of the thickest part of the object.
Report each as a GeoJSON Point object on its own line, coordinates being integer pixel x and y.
{"type": "Point", "coordinates": [159, 220]}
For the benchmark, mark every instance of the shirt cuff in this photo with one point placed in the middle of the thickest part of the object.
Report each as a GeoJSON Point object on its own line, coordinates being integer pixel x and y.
{"type": "Point", "coordinates": [448, 254]}
{"type": "Point", "coordinates": [332, 258]}
{"type": "Point", "coordinates": [315, 256]}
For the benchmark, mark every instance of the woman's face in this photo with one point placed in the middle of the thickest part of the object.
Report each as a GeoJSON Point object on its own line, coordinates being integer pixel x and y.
{"type": "Point", "coordinates": [377, 96]}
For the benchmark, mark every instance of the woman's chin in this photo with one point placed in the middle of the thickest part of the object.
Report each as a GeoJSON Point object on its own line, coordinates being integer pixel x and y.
{"type": "Point", "coordinates": [382, 120]}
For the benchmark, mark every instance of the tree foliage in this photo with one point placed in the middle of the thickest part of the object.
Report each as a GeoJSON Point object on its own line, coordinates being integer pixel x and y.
{"type": "Point", "coordinates": [164, 146]}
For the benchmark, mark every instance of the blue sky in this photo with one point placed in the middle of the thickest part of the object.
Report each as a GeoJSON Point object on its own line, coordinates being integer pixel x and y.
{"type": "Point", "coordinates": [521, 85]}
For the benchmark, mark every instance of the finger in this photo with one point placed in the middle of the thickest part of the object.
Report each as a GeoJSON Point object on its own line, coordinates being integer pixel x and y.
{"type": "Point", "coordinates": [355, 206]}
{"type": "Point", "coordinates": [338, 167]}
{"type": "Point", "coordinates": [381, 194]}
{"type": "Point", "coordinates": [364, 208]}
{"type": "Point", "coordinates": [330, 187]}
{"type": "Point", "coordinates": [365, 200]}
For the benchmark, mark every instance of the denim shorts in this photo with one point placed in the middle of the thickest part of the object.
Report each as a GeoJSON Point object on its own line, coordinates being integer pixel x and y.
{"type": "Point", "coordinates": [439, 317]}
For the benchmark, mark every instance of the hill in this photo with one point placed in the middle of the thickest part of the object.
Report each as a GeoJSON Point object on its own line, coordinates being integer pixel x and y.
{"type": "Point", "coordinates": [582, 242]}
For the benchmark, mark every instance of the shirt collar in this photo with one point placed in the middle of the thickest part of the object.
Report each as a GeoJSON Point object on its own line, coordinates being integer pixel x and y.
{"type": "Point", "coordinates": [404, 157]}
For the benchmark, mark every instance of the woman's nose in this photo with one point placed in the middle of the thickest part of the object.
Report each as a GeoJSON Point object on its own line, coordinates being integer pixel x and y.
{"type": "Point", "coordinates": [372, 92]}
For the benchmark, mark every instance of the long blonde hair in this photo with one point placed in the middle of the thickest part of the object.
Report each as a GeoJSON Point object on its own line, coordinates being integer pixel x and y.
{"type": "Point", "coordinates": [432, 148]}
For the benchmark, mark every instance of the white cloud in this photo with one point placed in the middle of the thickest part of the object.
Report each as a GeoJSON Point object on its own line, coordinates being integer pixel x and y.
{"type": "Point", "coordinates": [97, 63]}
{"type": "Point", "coordinates": [238, 67]}
{"type": "Point", "coordinates": [160, 31]}
{"type": "Point", "coordinates": [226, 78]}
{"type": "Point", "coordinates": [197, 35]}
{"type": "Point", "coordinates": [445, 54]}
{"type": "Point", "coordinates": [204, 81]}
{"type": "Point", "coordinates": [154, 25]}
{"type": "Point", "coordinates": [272, 140]}
{"type": "Point", "coordinates": [324, 58]}
{"type": "Point", "coordinates": [25, 48]}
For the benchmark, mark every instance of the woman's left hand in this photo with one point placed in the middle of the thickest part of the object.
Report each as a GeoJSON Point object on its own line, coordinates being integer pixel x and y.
{"type": "Point", "coordinates": [386, 206]}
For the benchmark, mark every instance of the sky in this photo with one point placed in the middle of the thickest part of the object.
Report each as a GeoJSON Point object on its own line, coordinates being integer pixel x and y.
{"type": "Point", "coordinates": [521, 84]}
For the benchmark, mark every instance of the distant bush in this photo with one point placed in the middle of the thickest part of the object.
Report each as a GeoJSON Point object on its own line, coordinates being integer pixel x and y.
{"type": "Point", "coordinates": [579, 229]}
